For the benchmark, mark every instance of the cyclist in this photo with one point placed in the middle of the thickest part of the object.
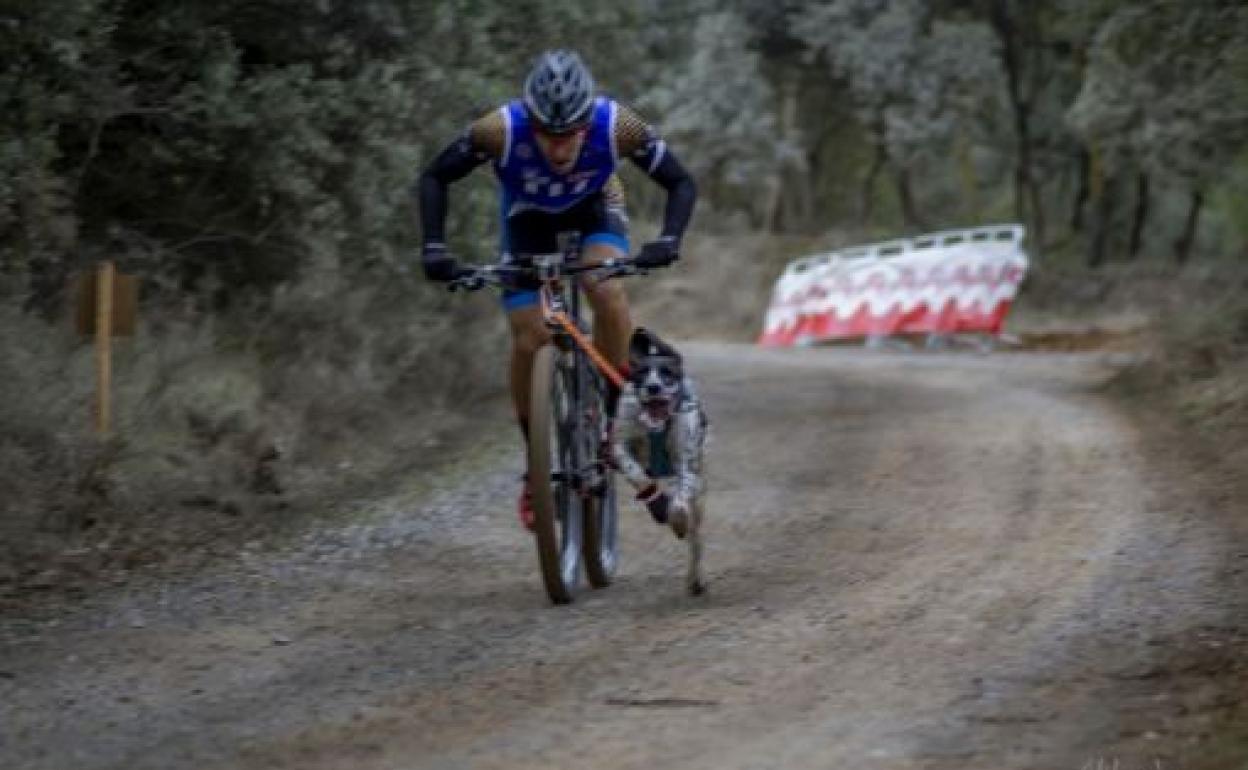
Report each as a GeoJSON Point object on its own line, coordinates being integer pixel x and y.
{"type": "Point", "coordinates": [555, 152]}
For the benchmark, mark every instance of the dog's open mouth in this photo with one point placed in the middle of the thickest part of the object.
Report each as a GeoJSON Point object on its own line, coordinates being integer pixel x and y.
{"type": "Point", "coordinates": [657, 409]}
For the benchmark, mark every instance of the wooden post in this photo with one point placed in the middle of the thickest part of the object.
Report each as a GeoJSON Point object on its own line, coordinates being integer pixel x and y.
{"type": "Point", "coordinates": [103, 347]}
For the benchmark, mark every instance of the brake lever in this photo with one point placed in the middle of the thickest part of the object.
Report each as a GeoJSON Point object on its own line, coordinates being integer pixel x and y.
{"type": "Point", "coordinates": [630, 267]}
{"type": "Point", "coordinates": [467, 282]}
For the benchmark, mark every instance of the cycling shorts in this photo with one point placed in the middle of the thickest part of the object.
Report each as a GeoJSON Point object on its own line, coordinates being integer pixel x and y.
{"type": "Point", "coordinates": [537, 232]}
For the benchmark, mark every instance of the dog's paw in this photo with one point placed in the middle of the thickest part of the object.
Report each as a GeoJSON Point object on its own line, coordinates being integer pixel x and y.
{"type": "Point", "coordinates": [678, 519]}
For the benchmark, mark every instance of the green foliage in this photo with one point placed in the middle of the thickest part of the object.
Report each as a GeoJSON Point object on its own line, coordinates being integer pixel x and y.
{"type": "Point", "coordinates": [231, 147]}
{"type": "Point", "coordinates": [55, 75]}
{"type": "Point", "coordinates": [915, 79]}
{"type": "Point", "coordinates": [1233, 198]}
{"type": "Point", "coordinates": [717, 106]}
{"type": "Point", "coordinates": [1167, 87]}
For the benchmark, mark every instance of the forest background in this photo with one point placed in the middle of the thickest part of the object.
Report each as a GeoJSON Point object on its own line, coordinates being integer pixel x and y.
{"type": "Point", "coordinates": [250, 161]}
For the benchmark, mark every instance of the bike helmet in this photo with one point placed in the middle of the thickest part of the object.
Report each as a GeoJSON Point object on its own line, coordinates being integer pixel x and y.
{"type": "Point", "coordinates": [559, 91]}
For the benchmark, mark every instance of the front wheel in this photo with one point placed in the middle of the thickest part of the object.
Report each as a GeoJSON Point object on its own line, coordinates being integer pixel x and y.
{"type": "Point", "coordinates": [601, 509]}
{"type": "Point", "coordinates": [557, 507]}
{"type": "Point", "coordinates": [601, 556]}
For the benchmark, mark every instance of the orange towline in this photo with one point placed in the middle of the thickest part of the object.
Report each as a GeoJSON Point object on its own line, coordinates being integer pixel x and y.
{"type": "Point", "coordinates": [587, 345]}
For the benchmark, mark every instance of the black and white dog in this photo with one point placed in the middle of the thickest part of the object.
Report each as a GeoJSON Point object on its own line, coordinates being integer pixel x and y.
{"type": "Point", "coordinates": [657, 441]}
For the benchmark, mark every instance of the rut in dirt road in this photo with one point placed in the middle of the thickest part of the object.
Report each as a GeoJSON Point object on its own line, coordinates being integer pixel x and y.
{"type": "Point", "coordinates": [913, 561]}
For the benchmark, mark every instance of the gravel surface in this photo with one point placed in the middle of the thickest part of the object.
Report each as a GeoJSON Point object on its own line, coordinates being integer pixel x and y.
{"type": "Point", "coordinates": [915, 561]}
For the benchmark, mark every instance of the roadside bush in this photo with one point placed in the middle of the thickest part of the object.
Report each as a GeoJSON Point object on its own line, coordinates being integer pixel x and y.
{"type": "Point", "coordinates": [1205, 353]}
{"type": "Point", "coordinates": [1198, 362]}
{"type": "Point", "coordinates": [226, 423]}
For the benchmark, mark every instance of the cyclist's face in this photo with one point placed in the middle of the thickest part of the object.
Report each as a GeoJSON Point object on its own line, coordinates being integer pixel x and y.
{"type": "Point", "coordinates": [561, 150]}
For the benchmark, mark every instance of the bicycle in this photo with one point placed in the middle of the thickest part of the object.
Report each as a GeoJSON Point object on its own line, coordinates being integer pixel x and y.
{"type": "Point", "coordinates": [573, 486]}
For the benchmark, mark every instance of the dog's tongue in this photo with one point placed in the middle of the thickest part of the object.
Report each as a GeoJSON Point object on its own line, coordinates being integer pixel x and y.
{"type": "Point", "coordinates": [657, 409]}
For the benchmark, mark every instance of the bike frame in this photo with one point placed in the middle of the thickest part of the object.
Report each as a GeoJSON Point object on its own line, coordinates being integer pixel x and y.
{"type": "Point", "coordinates": [552, 302]}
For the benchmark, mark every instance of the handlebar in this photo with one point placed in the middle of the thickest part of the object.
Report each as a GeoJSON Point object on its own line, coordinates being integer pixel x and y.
{"type": "Point", "coordinates": [543, 267]}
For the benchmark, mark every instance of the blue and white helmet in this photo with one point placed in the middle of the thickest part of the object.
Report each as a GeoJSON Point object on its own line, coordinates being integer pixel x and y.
{"type": "Point", "coordinates": [559, 91]}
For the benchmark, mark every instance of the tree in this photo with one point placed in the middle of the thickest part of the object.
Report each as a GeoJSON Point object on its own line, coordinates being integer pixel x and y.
{"type": "Point", "coordinates": [58, 81]}
{"type": "Point", "coordinates": [917, 80]}
{"type": "Point", "coordinates": [1167, 90]}
{"type": "Point", "coordinates": [722, 111]}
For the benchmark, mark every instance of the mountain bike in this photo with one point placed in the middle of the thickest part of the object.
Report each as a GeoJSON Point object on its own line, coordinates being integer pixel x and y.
{"type": "Point", "coordinates": [573, 487]}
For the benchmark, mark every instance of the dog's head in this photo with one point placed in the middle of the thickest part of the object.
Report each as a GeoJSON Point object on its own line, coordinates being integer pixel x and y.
{"type": "Point", "coordinates": [656, 371]}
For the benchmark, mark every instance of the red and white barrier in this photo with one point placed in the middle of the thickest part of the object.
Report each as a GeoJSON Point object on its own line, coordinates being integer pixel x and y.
{"type": "Point", "coordinates": [942, 283]}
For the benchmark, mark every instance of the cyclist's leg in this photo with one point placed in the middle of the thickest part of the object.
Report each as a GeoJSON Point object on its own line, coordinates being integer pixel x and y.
{"type": "Point", "coordinates": [528, 334]}
{"type": "Point", "coordinates": [606, 237]}
{"type": "Point", "coordinates": [612, 320]}
{"type": "Point", "coordinates": [525, 233]}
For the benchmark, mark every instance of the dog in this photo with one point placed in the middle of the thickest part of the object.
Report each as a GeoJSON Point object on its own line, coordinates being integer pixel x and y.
{"type": "Point", "coordinates": [657, 443]}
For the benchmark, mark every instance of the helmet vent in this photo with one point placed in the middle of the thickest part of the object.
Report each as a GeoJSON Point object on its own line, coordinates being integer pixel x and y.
{"type": "Point", "coordinates": [559, 91]}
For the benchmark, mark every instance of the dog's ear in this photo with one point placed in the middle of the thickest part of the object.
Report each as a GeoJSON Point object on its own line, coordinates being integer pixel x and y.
{"type": "Point", "coordinates": [643, 343]}
{"type": "Point", "coordinates": [667, 350]}
{"type": "Point", "coordinates": [662, 348]}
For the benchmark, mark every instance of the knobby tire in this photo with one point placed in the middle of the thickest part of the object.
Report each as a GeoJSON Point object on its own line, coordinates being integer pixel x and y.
{"type": "Point", "coordinates": [601, 509]}
{"type": "Point", "coordinates": [547, 455]}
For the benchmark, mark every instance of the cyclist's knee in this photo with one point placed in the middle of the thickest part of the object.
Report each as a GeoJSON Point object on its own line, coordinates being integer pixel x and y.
{"type": "Point", "coordinates": [529, 343]}
{"type": "Point", "coordinates": [607, 296]}
{"type": "Point", "coordinates": [528, 335]}
{"type": "Point", "coordinates": [604, 295]}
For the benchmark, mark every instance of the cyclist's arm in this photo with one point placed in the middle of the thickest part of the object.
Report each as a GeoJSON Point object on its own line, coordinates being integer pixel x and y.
{"type": "Point", "coordinates": [640, 143]}
{"type": "Point", "coordinates": [482, 141]}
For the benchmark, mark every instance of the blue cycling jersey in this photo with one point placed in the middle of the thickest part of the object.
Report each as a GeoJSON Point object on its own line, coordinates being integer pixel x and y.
{"type": "Point", "coordinates": [527, 179]}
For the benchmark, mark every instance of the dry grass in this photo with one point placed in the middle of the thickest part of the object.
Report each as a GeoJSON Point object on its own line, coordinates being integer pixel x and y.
{"type": "Point", "coordinates": [1198, 360]}
{"type": "Point", "coordinates": [47, 457]}
{"type": "Point", "coordinates": [720, 288]}
{"type": "Point", "coordinates": [226, 427]}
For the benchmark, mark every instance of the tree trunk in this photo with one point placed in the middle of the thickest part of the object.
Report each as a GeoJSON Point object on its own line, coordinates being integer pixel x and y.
{"type": "Point", "coordinates": [1081, 195]}
{"type": "Point", "coordinates": [1026, 189]}
{"type": "Point", "coordinates": [788, 130]}
{"type": "Point", "coordinates": [1037, 213]}
{"type": "Point", "coordinates": [905, 194]}
{"type": "Point", "coordinates": [1183, 246]}
{"type": "Point", "coordinates": [967, 176]}
{"type": "Point", "coordinates": [1140, 215]}
{"type": "Point", "coordinates": [868, 183]}
{"type": "Point", "coordinates": [1037, 77]}
{"type": "Point", "coordinates": [1003, 25]}
{"type": "Point", "coordinates": [1098, 244]}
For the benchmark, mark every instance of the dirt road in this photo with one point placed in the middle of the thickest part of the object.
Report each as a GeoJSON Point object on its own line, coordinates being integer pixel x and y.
{"type": "Point", "coordinates": [915, 561]}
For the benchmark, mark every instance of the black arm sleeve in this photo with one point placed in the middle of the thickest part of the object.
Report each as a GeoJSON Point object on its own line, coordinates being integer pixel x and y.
{"type": "Point", "coordinates": [682, 192]}
{"type": "Point", "coordinates": [455, 162]}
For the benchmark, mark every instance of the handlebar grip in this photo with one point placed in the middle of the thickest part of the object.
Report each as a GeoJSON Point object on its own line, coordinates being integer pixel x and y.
{"type": "Point", "coordinates": [469, 280]}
